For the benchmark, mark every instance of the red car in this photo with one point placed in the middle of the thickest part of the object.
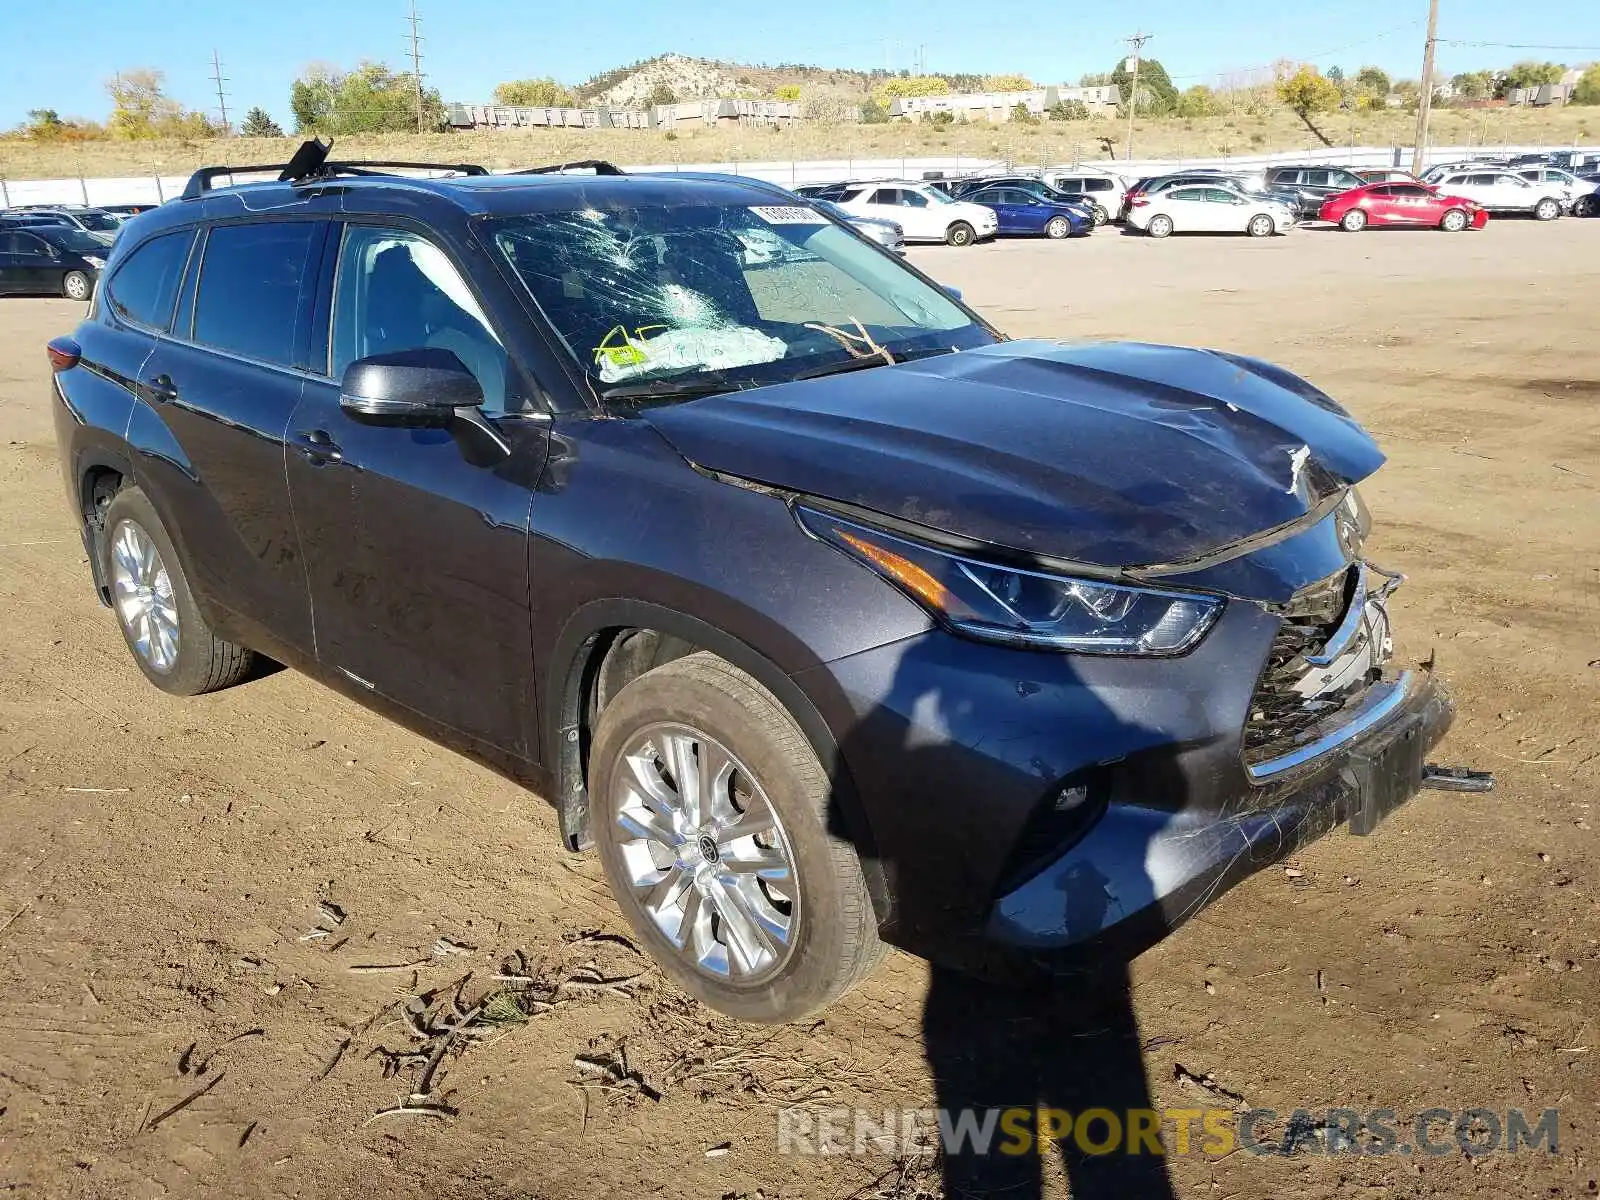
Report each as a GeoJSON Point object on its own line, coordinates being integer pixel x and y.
{"type": "Point", "coordinates": [1402, 204]}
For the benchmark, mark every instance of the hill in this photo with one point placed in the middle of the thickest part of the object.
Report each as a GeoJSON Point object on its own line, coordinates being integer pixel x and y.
{"type": "Point", "coordinates": [705, 79]}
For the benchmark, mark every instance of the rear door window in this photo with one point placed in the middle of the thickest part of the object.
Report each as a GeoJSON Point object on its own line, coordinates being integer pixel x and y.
{"type": "Point", "coordinates": [146, 284]}
{"type": "Point", "coordinates": [252, 280]}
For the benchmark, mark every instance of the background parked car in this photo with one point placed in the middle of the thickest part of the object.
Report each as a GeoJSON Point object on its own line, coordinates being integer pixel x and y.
{"type": "Point", "coordinates": [89, 220]}
{"type": "Point", "coordinates": [1213, 208]}
{"type": "Point", "coordinates": [1503, 192]}
{"type": "Point", "coordinates": [50, 259]}
{"type": "Point", "coordinates": [887, 234]}
{"type": "Point", "coordinates": [1104, 191]}
{"type": "Point", "coordinates": [1388, 175]}
{"type": "Point", "coordinates": [962, 189]}
{"type": "Point", "coordinates": [1023, 213]}
{"type": "Point", "coordinates": [1437, 172]}
{"type": "Point", "coordinates": [1578, 191]}
{"type": "Point", "coordinates": [925, 213]}
{"type": "Point", "coordinates": [1244, 184]}
{"type": "Point", "coordinates": [1404, 205]}
{"type": "Point", "coordinates": [1312, 185]}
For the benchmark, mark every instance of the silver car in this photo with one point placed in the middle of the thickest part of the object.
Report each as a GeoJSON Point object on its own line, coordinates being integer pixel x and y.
{"type": "Point", "coordinates": [887, 234]}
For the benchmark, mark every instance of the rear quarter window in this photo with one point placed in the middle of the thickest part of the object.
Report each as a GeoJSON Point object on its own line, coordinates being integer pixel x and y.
{"type": "Point", "coordinates": [146, 284]}
{"type": "Point", "coordinates": [249, 299]}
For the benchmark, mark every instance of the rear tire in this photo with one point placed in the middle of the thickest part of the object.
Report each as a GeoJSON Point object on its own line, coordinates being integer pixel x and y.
{"type": "Point", "coordinates": [1260, 226]}
{"type": "Point", "coordinates": [1547, 210]}
{"type": "Point", "coordinates": [685, 871]}
{"type": "Point", "coordinates": [1057, 228]}
{"type": "Point", "coordinates": [1160, 226]}
{"type": "Point", "coordinates": [1354, 221]}
{"type": "Point", "coordinates": [75, 285]}
{"type": "Point", "coordinates": [1453, 221]}
{"type": "Point", "coordinates": [156, 612]}
{"type": "Point", "coordinates": [1101, 216]}
{"type": "Point", "coordinates": [960, 234]}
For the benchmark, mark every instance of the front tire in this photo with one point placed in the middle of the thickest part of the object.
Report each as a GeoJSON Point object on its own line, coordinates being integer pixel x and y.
{"type": "Point", "coordinates": [75, 285]}
{"type": "Point", "coordinates": [960, 234]}
{"type": "Point", "coordinates": [1260, 226]}
{"type": "Point", "coordinates": [1546, 210]}
{"type": "Point", "coordinates": [1057, 228]}
{"type": "Point", "coordinates": [1354, 221]}
{"type": "Point", "coordinates": [711, 816]}
{"type": "Point", "coordinates": [1101, 216]}
{"type": "Point", "coordinates": [1160, 226]}
{"type": "Point", "coordinates": [1585, 205]}
{"type": "Point", "coordinates": [1453, 221]}
{"type": "Point", "coordinates": [165, 632]}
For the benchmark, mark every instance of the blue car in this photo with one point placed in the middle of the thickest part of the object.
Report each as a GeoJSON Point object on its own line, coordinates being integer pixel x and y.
{"type": "Point", "coordinates": [1023, 214]}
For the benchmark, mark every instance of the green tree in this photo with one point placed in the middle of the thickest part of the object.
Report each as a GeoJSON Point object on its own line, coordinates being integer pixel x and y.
{"type": "Point", "coordinates": [1529, 74]}
{"type": "Point", "coordinates": [259, 123]}
{"type": "Point", "coordinates": [370, 99]}
{"type": "Point", "coordinates": [1007, 83]}
{"type": "Point", "coordinates": [1308, 91]}
{"type": "Point", "coordinates": [1069, 110]}
{"type": "Point", "coordinates": [1474, 85]}
{"type": "Point", "coordinates": [874, 113]}
{"type": "Point", "coordinates": [661, 94]}
{"type": "Point", "coordinates": [1336, 74]}
{"type": "Point", "coordinates": [1022, 115]}
{"type": "Point", "coordinates": [1157, 96]}
{"type": "Point", "coordinates": [789, 92]}
{"type": "Point", "coordinates": [43, 125]}
{"type": "Point", "coordinates": [1588, 89]}
{"type": "Point", "coordinates": [910, 85]}
{"type": "Point", "coordinates": [534, 93]}
{"type": "Point", "coordinates": [1094, 79]}
{"type": "Point", "coordinates": [1373, 84]}
{"type": "Point", "coordinates": [140, 109]}
{"type": "Point", "coordinates": [1199, 101]}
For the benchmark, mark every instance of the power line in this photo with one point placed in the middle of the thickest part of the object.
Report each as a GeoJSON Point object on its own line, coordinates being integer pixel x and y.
{"type": "Point", "coordinates": [1516, 46]}
{"type": "Point", "coordinates": [219, 79]}
{"type": "Point", "coordinates": [416, 61]}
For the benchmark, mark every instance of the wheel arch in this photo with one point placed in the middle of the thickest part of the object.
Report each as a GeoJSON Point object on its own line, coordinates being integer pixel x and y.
{"type": "Point", "coordinates": [608, 642]}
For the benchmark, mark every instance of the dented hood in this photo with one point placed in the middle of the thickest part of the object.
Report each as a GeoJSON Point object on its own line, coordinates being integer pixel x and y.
{"type": "Point", "coordinates": [1113, 454]}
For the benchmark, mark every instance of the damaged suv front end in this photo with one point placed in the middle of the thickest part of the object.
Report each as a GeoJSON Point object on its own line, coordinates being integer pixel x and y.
{"type": "Point", "coordinates": [1158, 660]}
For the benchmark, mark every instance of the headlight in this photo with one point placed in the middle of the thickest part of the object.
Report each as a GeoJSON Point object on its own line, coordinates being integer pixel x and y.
{"type": "Point", "coordinates": [94, 261]}
{"type": "Point", "coordinates": [1024, 608]}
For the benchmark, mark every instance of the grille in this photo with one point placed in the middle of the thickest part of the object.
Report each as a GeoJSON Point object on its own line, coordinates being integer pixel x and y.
{"type": "Point", "coordinates": [1288, 706]}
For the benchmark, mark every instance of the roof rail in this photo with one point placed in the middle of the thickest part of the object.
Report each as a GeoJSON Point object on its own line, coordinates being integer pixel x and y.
{"type": "Point", "coordinates": [598, 165]}
{"type": "Point", "coordinates": [310, 165]}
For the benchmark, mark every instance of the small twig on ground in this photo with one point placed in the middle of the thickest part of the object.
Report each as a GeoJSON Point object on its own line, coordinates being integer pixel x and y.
{"type": "Point", "coordinates": [186, 1101]}
{"type": "Point", "coordinates": [332, 1062]}
{"type": "Point", "coordinates": [374, 968]}
{"type": "Point", "coordinates": [439, 1112]}
{"type": "Point", "coordinates": [15, 915]}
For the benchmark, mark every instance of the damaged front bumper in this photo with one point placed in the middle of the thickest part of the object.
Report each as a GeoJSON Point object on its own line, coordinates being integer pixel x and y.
{"type": "Point", "coordinates": [1142, 871]}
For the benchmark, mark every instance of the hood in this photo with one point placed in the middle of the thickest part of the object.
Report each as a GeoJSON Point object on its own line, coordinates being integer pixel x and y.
{"type": "Point", "coordinates": [1112, 454]}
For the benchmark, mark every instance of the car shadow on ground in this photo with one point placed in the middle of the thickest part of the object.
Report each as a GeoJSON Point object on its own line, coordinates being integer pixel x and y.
{"type": "Point", "coordinates": [1003, 1039]}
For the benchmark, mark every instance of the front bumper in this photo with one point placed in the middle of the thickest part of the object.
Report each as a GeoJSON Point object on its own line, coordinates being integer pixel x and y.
{"type": "Point", "coordinates": [1141, 872]}
{"type": "Point", "coordinates": [1037, 810]}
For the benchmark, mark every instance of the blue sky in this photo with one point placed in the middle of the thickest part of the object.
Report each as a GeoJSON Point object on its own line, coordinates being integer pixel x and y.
{"type": "Point", "coordinates": [473, 44]}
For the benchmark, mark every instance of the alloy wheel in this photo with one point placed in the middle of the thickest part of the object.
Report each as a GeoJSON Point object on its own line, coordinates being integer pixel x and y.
{"type": "Point", "coordinates": [706, 854]}
{"type": "Point", "coordinates": [142, 592]}
{"type": "Point", "coordinates": [77, 286]}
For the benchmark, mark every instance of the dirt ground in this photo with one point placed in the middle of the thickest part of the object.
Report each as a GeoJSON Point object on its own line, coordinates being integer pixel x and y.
{"type": "Point", "coordinates": [165, 859]}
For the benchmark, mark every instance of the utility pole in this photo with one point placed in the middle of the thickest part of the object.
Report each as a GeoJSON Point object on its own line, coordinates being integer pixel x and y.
{"type": "Point", "coordinates": [219, 79]}
{"type": "Point", "coordinates": [416, 62]}
{"type": "Point", "coordinates": [1137, 41]}
{"type": "Point", "coordinates": [1425, 96]}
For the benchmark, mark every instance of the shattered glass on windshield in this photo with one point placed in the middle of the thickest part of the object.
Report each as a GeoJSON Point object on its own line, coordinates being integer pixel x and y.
{"type": "Point", "coordinates": [758, 294]}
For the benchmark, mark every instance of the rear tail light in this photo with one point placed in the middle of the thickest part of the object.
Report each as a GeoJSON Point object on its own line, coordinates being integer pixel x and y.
{"type": "Point", "coordinates": [1138, 201]}
{"type": "Point", "coordinates": [63, 353]}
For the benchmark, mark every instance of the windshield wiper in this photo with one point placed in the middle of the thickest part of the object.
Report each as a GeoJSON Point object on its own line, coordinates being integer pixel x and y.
{"type": "Point", "coordinates": [670, 389]}
{"type": "Point", "coordinates": [861, 364]}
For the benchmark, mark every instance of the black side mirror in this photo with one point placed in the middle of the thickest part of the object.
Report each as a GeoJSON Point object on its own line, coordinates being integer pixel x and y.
{"type": "Point", "coordinates": [421, 388]}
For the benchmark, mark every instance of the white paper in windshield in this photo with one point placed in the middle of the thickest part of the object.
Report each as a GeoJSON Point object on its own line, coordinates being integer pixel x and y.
{"type": "Point", "coordinates": [788, 214]}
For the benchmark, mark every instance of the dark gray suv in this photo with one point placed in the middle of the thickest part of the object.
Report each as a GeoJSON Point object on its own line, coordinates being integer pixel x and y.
{"type": "Point", "coordinates": [830, 617]}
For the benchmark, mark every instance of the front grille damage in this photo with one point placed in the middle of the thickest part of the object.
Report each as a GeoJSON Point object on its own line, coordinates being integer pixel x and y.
{"type": "Point", "coordinates": [1323, 659]}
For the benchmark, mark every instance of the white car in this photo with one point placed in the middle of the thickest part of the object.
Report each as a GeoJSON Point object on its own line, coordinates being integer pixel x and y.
{"type": "Point", "coordinates": [1209, 208]}
{"type": "Point", "coordinates": [1104, 190]}
{"type": "Point", "coordinates": [925, 213]}
{"type": "Point", "coordinates": [1502, 191]}
{"type": "Point", "coordinates": [1579, 192]}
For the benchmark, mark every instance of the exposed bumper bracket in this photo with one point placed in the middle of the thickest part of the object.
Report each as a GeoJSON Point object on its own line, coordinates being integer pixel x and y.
{"type": "Point", "coordinates": [1456, 779]}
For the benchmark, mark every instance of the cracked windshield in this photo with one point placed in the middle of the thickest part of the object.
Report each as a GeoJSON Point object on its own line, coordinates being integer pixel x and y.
{"type": "Point", "coordinates": [673, 302]}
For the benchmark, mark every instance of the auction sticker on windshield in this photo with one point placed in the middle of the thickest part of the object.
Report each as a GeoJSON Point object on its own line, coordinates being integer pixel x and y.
{"type": "Point", "coordinates": [788, 214]}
